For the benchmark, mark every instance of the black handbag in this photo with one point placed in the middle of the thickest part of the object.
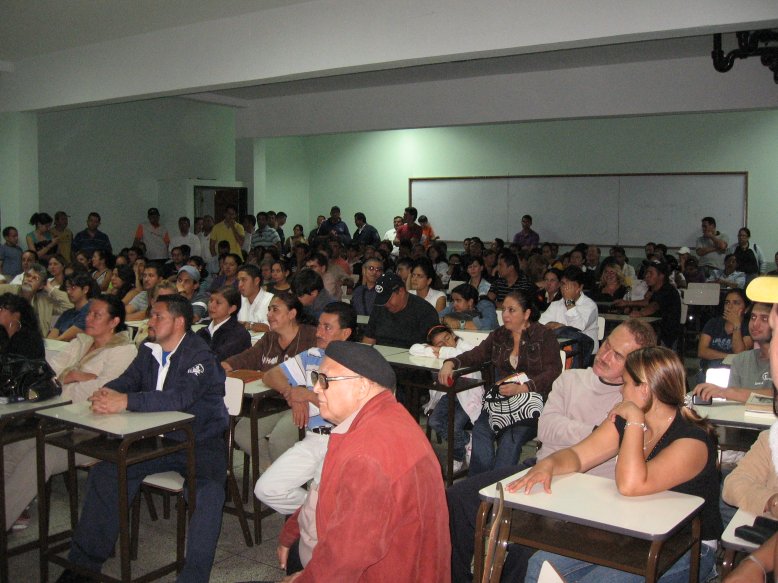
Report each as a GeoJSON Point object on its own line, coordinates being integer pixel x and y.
{"type": "Point", "coordinates": [26, 379]}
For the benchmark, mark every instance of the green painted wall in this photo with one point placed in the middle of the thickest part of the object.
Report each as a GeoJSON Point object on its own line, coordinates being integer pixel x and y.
{"type": "Point", "coordinates": [370, 171]}
{"type": "Point", "coordinates": [18, 170]}
{"type": "Point", "coordinates": [109, 158]}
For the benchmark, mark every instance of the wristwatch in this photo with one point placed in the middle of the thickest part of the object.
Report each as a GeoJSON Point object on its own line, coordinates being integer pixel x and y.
{"type": "Point", "coordinates": [462, 324]}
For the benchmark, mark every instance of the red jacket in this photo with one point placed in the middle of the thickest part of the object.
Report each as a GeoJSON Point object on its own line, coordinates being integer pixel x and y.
{"type": "Point", "coordinates": [381, 514]}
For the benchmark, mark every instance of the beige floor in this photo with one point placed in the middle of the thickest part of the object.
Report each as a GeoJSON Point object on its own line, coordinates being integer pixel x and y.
{"type": "Point", "coordinates": [234, 560]}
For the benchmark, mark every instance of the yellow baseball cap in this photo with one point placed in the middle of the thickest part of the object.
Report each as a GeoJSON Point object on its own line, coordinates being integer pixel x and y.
{"type": "Point", "coordinates": [763, 289]}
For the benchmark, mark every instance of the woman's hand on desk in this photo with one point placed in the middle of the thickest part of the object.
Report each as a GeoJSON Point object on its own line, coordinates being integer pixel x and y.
{"type": "Point", "coordinates": [540, 473]}
{"type": "Point", "coordinates": [511, 389]}
{"type": "Point", "coordinates": [106, 401]}
{"type": "Point", "coordinates": [445, 376]}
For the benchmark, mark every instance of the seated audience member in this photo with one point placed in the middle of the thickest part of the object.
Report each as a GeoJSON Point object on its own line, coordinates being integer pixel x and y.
{"type": "Point", "coordinates": [254, 300]}
{"type": "Point", "coordinates": [280, 276]}
{"type": "Point", "coordinates": [228, 271]}
{"type": "Point", "coordinates": [90, 361]}
{"type": "Point", "coordinates": [551, 291]}
{"type": "Point", "coordinates": [574, 311]}
{"type": "Point", "coordinates": [56, 267]}
{"type": "Point", "coordinates": [151, 275]}
{"type": "Point", "coordinates": [580, 399]}
{"type": "Point", "coordinates": [205, 277]}
{"type": "Point", "coordinates": [660, 444]}
{"type": "Point", "coordinates": [336, 259]}
{"type": "Point", "coordinates": [21, 327]}
{"type": "Point", "coordinates": [122, 282]}
{"type": "Point", "coordinates": [692, 272]}
{"type": "Point", "coordinates": [29, 258]}
{"type": "Point", "coordinates": [750, 369]}
{"type": "Point", "coordinates": [661, 300]}
{"type": "Point", "coordinates": [287, 337]}
{"type": "Point", "coordinates": [308, 287]}
{"type": "Point", "coordinates": [467, 312]}
{"type": "Point", "coordinates": [510, 278]}
{"type": "Point", "coordinates": [611, 285]}
{"type": "Point", "coordinates": [224, 334]}
{"type": "Point", "coordinates": [443, 343]}
{"type": "Point", "coordinates": [372, 520]}
{"type": "Point", "coordinates": [47, 301]}
{"type": "Point", "coordinates": [364, 295]}
{"type": "Point", "coordinates": [298, 236]}
{"type": "Point", "coordinates": [437, 257]}
{"type": "Point", "coordinates": [592, 262]}
{"type": "Point", "coordinates": [163, 288]}
{"type": "Point", "coordinates": [101, 262]}
{"type": "Point", "coordinates": [188, 285]}
{"type": "Point", "coordinates": [627, 270]}
{"type": "Point", "coordinates": [331, 277]}
{"type": "Point", "coordinates": [536, 267]}
{"type": "Point", "coordinates": [398, 317]}
{"type": "Point", "coordinates": [476, 275]}
{"type": "Point", "coordinates": [520, 345]}
{"type": "Point", "coordinates": [80, 288]}
{"type": "Point", "coordinates": [730, 276]}
{"type": "Point", "coordinates": [403, 268]}
{"type": "Point", "coordinates": [423, 279]}
{"type": "Point", "coordinates": [193, 383]}
{"type": "Point", "coordinates": [179, 256]}
{"type": "Point", "coordinates": [281, 486]}
{"type": "Point", "coordinates": [727, 334]}
{"type": "Point", "coordinates": [265, 235]}
{"type": "Point", "coordinates": [774, 271]}
{"type": "Point", "coordinates": [750, 259]}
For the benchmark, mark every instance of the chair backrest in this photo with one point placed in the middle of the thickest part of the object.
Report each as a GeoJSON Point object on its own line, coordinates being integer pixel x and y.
{"type": "Point", "coordinates": [702, 294]}
{"type": "Point", "coordinates": [684, 312]}
{"type": "Point", "coordinates": [233, 396]}
{"type": "Point", "coordinates": [600, 327]}
{"type": "Point", "coordinates": [499, 317]}
{"type": "Point", "coordinates": [563, 356]}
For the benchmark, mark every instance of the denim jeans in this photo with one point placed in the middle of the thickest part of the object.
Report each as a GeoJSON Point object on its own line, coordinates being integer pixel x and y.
{"type": "Point", "coordinates": [439, 422]}
{"type": "Point", "coordinates": [484, 458]}
{"type": "Point", "coordinates": [575, 571]}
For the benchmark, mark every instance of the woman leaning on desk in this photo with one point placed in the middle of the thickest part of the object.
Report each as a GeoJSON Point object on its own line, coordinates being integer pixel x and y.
{"type": "Point", "coordinates": [521, 344]}
{"type": "Point", "coordinates": [661, 445]}
{"type": "Point", "coordinates": [288, 337]}
{"type": "Point", "coordinates": [90, 361]}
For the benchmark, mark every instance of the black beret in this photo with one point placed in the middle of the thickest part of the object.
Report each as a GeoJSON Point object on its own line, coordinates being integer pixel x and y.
{"type": "Point", "coordinates": [364, 360]}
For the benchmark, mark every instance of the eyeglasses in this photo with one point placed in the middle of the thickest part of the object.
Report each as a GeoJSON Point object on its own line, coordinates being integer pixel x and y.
{"type": "Point", "coordinates": [320, 377]}
{"type": "Point", "coordinates": [374, 268]}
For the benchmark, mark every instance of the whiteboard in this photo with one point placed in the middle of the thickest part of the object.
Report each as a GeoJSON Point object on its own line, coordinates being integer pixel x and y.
{"type": "Point", "coordinates": [628, 209]}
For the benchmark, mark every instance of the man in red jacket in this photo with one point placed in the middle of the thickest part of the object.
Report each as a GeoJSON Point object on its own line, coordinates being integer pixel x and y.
{"type": "Point", "coordinates": [379, 512]}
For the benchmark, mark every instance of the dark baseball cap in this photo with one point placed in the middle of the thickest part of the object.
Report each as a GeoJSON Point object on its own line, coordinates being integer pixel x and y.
{"type": "Point", "coordinates": [386, 285]}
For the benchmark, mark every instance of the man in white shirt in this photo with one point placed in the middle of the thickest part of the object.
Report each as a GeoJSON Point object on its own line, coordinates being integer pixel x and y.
{"type": "Point", "coordinates": [391, 234]}
{"type": "Point", "coordinates": [185, 237]}
{"type": "Point", "coordinates": [574, 309]}
{"type": "Point", "coordinates": [255, 300]}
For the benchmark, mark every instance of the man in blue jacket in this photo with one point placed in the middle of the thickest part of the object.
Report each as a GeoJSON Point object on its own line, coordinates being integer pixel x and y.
{"type": "Point", "coordinates": [174, 371]}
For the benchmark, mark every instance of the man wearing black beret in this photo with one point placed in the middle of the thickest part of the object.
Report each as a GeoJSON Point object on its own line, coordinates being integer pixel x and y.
{"type": "Point", "coordinates": [379, 511]}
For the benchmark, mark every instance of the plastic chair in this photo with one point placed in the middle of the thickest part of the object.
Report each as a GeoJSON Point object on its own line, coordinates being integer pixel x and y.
{"type": "Point", "coordinates": [600, 328]}
{"type": "Point", "coordinates": [173, 483]}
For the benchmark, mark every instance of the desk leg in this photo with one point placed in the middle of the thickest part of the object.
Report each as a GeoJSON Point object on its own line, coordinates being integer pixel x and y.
{"type": "Point", "coordinates": [254, 418]}
{"type": "Point", "coordinates": [124, 513]}
{"type": "Point", "coordinates": [450, 445]}
{"type": "Point", "coordinates": [653, 560]}
{"type": "Point", "coordinates": [43, 510]}
{"type": "Point", "coordinates": [694, 558]}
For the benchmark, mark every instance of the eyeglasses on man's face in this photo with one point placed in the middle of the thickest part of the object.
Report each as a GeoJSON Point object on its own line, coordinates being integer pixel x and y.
{"type": "Point", "coordinates": [319, 377]}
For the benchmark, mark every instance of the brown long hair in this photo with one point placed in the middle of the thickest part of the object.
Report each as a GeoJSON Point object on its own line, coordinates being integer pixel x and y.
{"type": "Point", "coordinates": [664, 373]}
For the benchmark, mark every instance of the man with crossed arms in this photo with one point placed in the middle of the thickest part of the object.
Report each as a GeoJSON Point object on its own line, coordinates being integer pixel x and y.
{"type": "Point", "coordinates": [280, 487]}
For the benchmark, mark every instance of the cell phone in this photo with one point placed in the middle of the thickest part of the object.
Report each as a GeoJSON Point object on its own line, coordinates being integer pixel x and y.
{"type": "Point", "coordinates": [697, 400]}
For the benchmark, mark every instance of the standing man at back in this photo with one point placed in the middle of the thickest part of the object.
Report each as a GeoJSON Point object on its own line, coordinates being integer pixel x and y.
{"type": "Point", "coordinates": [154, 236]}
{"type": "Point", "coordinates": [63, 234]}
{"type": "Point", "coordinates": [711, 247]}
{"type": "Point", "coordinates": [410, 230]}
{"type": "Point", "coordinates": [228, 230]}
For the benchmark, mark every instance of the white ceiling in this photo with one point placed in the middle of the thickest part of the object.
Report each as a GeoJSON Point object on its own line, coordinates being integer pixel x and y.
{"type": "Point", "coordinates": [34, 27]}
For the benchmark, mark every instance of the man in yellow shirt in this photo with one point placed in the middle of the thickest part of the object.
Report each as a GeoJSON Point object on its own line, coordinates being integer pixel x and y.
{"type": "Point", "coordinates": [228, 230]}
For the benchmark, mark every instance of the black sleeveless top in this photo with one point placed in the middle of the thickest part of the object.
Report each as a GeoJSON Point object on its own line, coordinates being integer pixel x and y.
{"type": "Point", "coordinates": [705, 484]}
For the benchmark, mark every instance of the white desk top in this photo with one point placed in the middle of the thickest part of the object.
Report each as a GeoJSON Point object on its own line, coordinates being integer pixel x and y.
{"type": "Point", "coordinates": [728, 538]}
{"type": "Point", "coordinates": [116, 425]}
{"type": "Point", "coordinates": [255, 336]}
{"type": "Point", "coordinates": [405, 358]}
{"type": "Point", "coordinates": [11, 409]}
{"type": "Point", "coordinates": [732, 414]}
{"type": "Point", "coordinates": [255, 387]}
{"type": "Point", "coordinates": [389, 350]}
{"type": "Point", "coordinates": [595, 501]}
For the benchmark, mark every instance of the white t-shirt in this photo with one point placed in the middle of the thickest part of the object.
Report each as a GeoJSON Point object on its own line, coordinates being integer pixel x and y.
{"type": "Point", "coordinates": [256, 311]}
